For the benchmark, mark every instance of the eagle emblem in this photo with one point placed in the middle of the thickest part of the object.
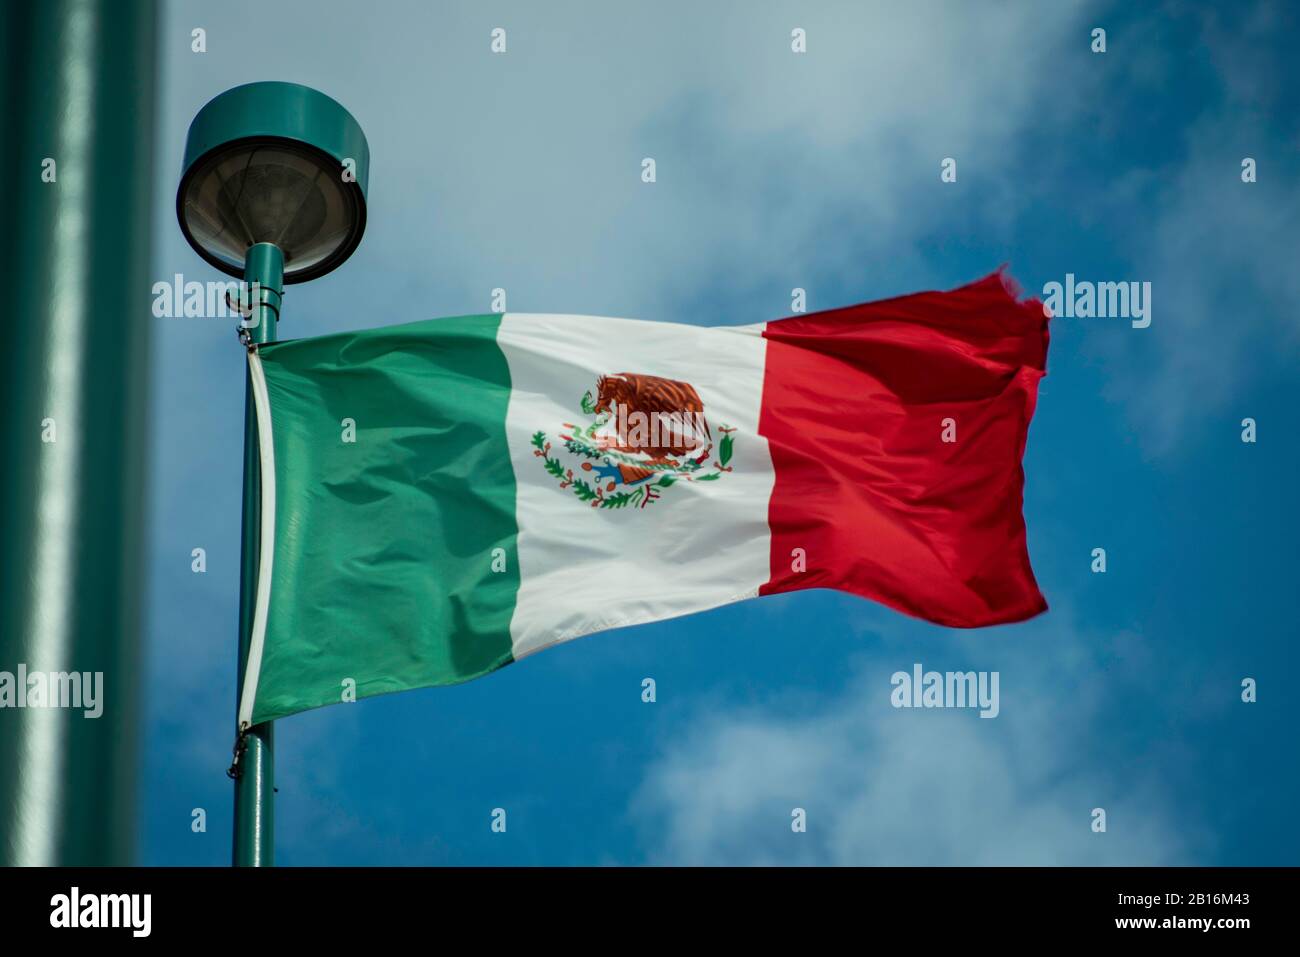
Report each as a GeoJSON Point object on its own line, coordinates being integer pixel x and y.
{"type": "Point", "coordinates": [643, 434]}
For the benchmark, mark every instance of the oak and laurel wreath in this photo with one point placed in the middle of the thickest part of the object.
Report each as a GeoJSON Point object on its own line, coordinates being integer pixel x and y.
{"type": "Point", "coordinates": [583, 444]}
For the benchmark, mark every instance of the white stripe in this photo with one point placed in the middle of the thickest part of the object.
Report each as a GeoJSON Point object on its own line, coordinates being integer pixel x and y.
{"type": "Point", "coordinates": [699, 545]}
{"type": "Point", "coordinates": [266, 449]}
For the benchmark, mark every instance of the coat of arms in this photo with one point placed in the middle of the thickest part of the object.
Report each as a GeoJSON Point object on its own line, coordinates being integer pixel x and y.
{"type": "Point", "coordinates": [644, 434]}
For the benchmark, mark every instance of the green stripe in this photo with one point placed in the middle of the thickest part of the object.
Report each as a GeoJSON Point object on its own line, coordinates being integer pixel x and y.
{"type": "Point", "coordinates": [384, 547]}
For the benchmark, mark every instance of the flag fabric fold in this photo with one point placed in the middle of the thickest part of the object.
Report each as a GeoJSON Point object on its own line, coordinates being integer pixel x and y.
{"type": "Point", "coordinates": [451, 495]}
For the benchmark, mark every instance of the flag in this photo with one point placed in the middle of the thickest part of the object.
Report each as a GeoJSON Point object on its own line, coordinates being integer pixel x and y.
{"type": "Point", "coordinates": [442, 498]}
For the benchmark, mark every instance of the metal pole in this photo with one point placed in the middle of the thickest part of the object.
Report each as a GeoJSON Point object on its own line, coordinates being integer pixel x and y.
{"type": "Point", "coordinates": [77, 80]}
{"type": "Point", "coordinates": [254, 838]}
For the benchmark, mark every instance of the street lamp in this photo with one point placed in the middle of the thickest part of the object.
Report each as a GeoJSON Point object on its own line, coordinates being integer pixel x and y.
{"type": "Point", "coordinates": [273, 190]}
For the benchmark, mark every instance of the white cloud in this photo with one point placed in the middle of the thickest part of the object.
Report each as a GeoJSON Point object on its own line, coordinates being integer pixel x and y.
{"type": "Point", "coordinates": [774, 168]}
{"type": "Point", "coordinates": [896, 786]}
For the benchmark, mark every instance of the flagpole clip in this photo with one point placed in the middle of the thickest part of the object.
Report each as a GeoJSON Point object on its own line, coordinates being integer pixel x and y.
{"type": "Point", "coordinates": [253, 299]}
{"type": "Point", "coordinates": [241, 745]}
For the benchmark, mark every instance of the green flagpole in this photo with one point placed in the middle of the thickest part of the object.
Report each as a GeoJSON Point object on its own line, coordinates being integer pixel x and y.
{"type": "Point", "coordinates": [77, 81]}
{"type": "Point", "coordinates": [273, 190]}
{"type": "Point", "coordinates": [254, 837]}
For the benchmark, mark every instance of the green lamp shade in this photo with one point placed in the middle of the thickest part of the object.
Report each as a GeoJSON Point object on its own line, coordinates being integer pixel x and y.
{"type": "Point", "coordinates": [274, 163]}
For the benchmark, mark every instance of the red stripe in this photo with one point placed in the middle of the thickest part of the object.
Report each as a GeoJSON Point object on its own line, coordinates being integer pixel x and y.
{"type": "Point", "coordinates": [853, 405]}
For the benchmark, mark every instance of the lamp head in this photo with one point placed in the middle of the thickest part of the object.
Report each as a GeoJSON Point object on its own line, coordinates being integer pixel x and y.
{"type": "Point", "coordinates": [274, 163]}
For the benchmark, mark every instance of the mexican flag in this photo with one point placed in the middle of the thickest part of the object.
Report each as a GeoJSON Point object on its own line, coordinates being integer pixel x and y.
{"type": "Point", "coordinates": [445, 497]}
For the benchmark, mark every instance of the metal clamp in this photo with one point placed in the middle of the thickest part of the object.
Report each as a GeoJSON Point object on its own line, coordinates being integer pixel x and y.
{"type": "Point", "coordinates": [241, 745]}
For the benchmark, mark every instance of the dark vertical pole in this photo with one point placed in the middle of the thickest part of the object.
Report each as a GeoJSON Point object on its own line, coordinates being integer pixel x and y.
{"type": "Point", "coordinates": [254, 838]}
{"type": "Point", "coordinates": [77, 81]}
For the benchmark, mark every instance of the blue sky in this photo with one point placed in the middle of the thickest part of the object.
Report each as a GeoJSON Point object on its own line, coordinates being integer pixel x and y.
{"type": "Point", "coordinates": [821, 171]}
